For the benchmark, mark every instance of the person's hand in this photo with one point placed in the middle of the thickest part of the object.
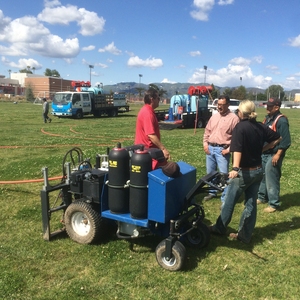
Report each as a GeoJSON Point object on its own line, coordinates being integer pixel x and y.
{"type": "Point", "coordinates": [166, 154]}
{"type": "Point", "coordinates": [206, 150]}
{"type": "Point", "coordinates": [225, 151]}
{"type": "Point", "coordinates": [233, 174]}
{"type": "Point", "coordinates": [275, 159]}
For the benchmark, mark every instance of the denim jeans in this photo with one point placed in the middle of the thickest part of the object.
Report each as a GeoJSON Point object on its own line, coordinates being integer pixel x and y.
{"type": "Point", "coordinates": [248, 182]}
{"type": "Point", "coordinates": [269, 188]}
{"type": "Point", "coordinates": [214, 161]}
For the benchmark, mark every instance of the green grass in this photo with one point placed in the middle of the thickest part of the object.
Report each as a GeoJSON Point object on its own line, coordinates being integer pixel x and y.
{"type": "Point", "coordinates": [32, 268]}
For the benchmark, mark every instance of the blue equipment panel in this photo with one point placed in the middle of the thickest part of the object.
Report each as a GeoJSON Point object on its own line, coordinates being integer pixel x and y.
{"type": "Point", "coordinates": [166, 194]}
{"type": "Point", "coordinates": [126, 218]}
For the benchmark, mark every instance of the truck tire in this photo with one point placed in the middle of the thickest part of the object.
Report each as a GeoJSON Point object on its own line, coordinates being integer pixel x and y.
{"type": "Point", "coordinates": [97, 114]}
{"type": "Point", "coordinates": [198, 237]}
{"type": "Point", "coordinates": [176, 262]}
{"type": "Point", "coordinates": [200, 123]}
{"type": "Point", "coordinates": [113, 113]}
{"type": "Point", "coordinates": [83, 224]}
{"type": "Point", "coordinates": [79, 114]}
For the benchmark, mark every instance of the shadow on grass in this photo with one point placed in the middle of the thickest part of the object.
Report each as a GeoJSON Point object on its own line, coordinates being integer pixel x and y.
{"type": "Point", "coordinates": [260, 235]}
{"type": "Point", "coordinates": [289, 200]}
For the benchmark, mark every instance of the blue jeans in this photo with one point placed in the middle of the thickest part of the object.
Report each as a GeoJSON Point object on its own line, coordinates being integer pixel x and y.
{"type": "Point", "coordinates": [248, 182]}
{"type": "Point", "coordinates": [269, 188]}
{"type": "Point", "coordinates": [214, 161]}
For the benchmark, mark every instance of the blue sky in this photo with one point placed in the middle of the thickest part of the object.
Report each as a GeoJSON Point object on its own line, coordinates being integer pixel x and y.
{"type": "Point", "coordinates": [248, 42]}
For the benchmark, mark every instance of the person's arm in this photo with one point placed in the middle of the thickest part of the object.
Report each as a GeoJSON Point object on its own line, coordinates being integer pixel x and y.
{"type": "Point", "coordinates": [237, 156]}
{"type": "Point", "coordinates": [155, 140]}
{"type": "Point", "coordinates": [271, 145]}
{"type": "Point", "coordinates": [206, 137]}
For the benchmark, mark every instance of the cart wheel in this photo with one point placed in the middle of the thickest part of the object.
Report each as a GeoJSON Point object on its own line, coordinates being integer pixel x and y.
{"type": "Point", "coordinates": [83, 224]}
{"type": "Point", "coordinates": [175, 263]}
{"type": "Point", "coordinates": [198, 237]}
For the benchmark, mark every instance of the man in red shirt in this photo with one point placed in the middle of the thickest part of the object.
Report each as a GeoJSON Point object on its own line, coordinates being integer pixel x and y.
{"type": "Point", "coordinates": [147, 129]}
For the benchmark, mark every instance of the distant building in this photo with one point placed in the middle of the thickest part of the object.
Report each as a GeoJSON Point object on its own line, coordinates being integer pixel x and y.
{"type": "Point", "coordinates": [297, 97]}
{"type": "Point", "coordinates": [42, 86]}
{"type": "Point", "coordinates": [10, 87]}
{"type": "Point", "coordinates": [46, 86]}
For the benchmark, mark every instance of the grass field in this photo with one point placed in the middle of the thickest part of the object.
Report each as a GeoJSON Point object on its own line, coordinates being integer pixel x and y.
{"type": "Point", "coordinates": [32, 268]}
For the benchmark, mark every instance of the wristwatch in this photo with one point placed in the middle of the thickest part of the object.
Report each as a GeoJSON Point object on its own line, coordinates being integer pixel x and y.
{"type": "Point", "coordinates": [236, 169]}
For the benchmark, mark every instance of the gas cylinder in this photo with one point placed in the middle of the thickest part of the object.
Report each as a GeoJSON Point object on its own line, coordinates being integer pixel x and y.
{"type": "Point", "coordinates": [118, 176]}
{"type": "Point", "coordinates": [141, 164]}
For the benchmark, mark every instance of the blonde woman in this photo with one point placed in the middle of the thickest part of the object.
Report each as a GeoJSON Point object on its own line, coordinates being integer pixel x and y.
{"type": "Point", "coordinates": [247, 144]}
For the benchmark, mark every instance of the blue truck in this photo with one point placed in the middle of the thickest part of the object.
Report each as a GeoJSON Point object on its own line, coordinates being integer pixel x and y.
{"type": "Point", "coordinates": [87, 100]}
{"type": "Point", "coordinates": [121, 193]}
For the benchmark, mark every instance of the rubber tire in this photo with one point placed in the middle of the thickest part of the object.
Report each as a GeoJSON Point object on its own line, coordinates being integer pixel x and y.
{"type": "Point", "coordinates": [200, 123]}
{"type": "Point", "coordinates": [199, 237]}
{"type": "Point", "coordinates": [79, 114]}
{"type": "Point", "coordinates": [83, 223]}
{"type": "Point", "coordinates": [178, 256]}
{"type": "Point", "coordinates": [114, 113]}
{"type": "Point", "coordinates": [97, 114]}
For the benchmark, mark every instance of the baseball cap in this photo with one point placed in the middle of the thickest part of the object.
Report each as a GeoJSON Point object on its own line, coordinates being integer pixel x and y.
{"type": "Point", "coordinates": [274, 102]}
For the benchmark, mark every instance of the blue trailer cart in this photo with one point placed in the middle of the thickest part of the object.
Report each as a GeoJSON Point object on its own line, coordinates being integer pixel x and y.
{"type": "Point", "coordinates": [121, 191]}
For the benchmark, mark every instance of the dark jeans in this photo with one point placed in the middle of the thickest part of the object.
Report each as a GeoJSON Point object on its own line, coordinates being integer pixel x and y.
{"type": "Point", "coordinates": [45, 116]}
{"type": "Point", "coordinates": [269, 188]}
{"type": "Point", "coordinates": [248, 182]}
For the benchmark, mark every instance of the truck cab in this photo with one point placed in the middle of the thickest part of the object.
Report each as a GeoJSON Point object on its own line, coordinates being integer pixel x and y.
{"type": "Point", "coordinates": [70, 104]}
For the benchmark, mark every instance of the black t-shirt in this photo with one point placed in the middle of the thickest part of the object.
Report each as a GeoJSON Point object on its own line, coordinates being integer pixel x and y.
{"type": "Point", "coordinates": [248, 137]}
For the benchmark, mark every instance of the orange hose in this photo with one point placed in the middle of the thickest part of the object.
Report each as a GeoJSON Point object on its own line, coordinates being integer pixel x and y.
{"type": "Point", "coordinates": [29, 181]}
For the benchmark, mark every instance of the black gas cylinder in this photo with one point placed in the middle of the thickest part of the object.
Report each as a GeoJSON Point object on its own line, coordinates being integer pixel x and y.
{"type": "Point", "coordinates": [118, 166]}
{"type": "Point", "coordinates": [118, 175]}
{"type": "Point", "coordinates": [141, 164]}
{"type": "Point", "coordinates": [118, 199]}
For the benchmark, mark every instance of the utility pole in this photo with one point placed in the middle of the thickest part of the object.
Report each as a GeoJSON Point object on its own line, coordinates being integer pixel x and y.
{"type": "Point", "coordinates": [91, 67]}
{"type": "Point", "coordinates": [205, 69]}
{"type": "Point", "coordinates": [140, 76]}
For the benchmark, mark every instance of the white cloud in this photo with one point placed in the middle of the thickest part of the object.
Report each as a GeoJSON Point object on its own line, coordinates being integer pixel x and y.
{"type": "Point", "coordinates": [3, 20]}
{"type": "Point", "coordinates": [27, 35]}
{"type": "Point", "coordinates": [166, 80]}
{"type": "Point", "coordinates": [23, 30]}
{"type": "Point", "coordinates": [150, 62]}
{"type": "Point", "coordinates": [89, 22]}
{"type": "Point", "coordinates": [240, 61]}
{"type": "Point", "coordinates": [51, 3]}
{"type": "Point", "coordinates": [272, 67]}
{"type": "Point", "coordinates": [103, 66]}
{"type": "Point", "coordinates": [258, 59]}
{"type": "Point", "coordinates": [225, 2]}
{"type": "Point", "coordinates": [195, 53]}
{"type": "Point", "coordinates": [295, 42]}
{"type": "Point", "coordinates": [129, 53]}
{"type": "Point", "coordinates": [13, 51]}
{"type": "Point", "coordinates": [111, 48]}
{"type": "Point", "coordinates": [230, 75]}
{"type": "Point", "coordinates": [88, 48]}
{"type": "Point", "coordinates": [203, 7]}
{"type": "Point", "coordinates": [22, 63]}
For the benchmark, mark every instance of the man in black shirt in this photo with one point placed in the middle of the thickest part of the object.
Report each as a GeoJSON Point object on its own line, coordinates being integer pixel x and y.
{"type": "Point", "coordinates": [247, 143]}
